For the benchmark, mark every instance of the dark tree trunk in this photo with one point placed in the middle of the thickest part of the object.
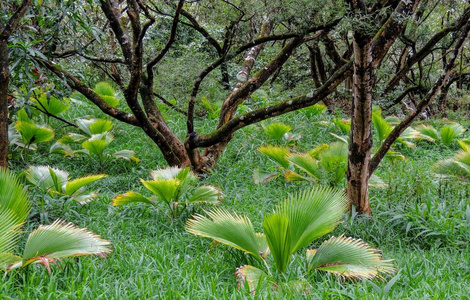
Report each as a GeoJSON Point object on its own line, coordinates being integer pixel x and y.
{"type": "Point", "coordinates": [360, 146]}
{"type": "Point", "coordinates": [4, 81]}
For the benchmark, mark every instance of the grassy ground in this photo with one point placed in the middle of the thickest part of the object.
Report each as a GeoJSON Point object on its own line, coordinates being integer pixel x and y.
{"type": "Point", "coordinates": [420, 221]}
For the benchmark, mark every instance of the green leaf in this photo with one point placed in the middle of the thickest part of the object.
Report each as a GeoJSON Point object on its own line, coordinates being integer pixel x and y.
{"type": "Point", "coordinates": [278, 154]}
{"type": "Point", "coordinates": [127, 155]}
{"type": "Point", "coordinates": [381, 125]}
{"type": "Point", "coordinates": [130, 197]}
{"type": "Point", "coordinates": [94, 126]}
{"type": "Point", "coordinates": [230, 229]}
{"type": "Point", "coordinates": [312, 214]}
{"type": "Point", "coordinates": [104, 89]}
{"type": "Point", "coordinates": [276, 131]}
{"type": "Point", "coordinates": [83, 198]}
{"type": "Point", "coordinates": [166, 173]}
{"type": "Point", "coordinates": [13, 197]}
{"type": "Point", "coordinates": [97, 143]}
{"type": "Point", "coordinates": [72, 138]}
{"type": "Point", "coordinates": [261, 177]}
{"type": "Point", "coordinates": [9, 232]}
{"type": "Point", "coordinates": [164, 189]}
{"type": "Point", "coordinates": [74, 185]}
{"type": "Point", "coordinates": [62, 239]}
{"type": "Point", "coordinates": [41, 177]}
{"type": "Point", "coordinates": [458, 166]}
{"type": "Point", "coordinates": [112, 101]}
{"type": "Point", "coordinates": [62, 149]}
{"type": "Point", "coordinates": [448, 135]}
{"type": "Point", "coordinates": [206, 194]}
{"type": "Point", "coordinates": [32, 133]}
{"type": "Point", "coordinates": [428, 133]}
{"type": "Point", "coordinates": [251, 276]}
{"type": "Point", "coordinates": [343, 124]}
{"type": "Point", "coordinates": [51, 104]}
{"type": "Point", "coordinates": [348, 257]}
{"type": "Point", "coordinates": [464, 144]}
{"type": "Point", "coordinates": [305, 163]}
{"type": "Point", "coordinates": [278, 235]}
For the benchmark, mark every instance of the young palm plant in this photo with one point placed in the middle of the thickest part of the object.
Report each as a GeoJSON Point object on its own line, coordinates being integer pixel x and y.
{"type": "Point", "coordinates": [457, 166]}
{"type": "Point", "coordinates": [294, 225]}
{"type": "Point", "coordinates": [56, 183]}
{"type": "Point", "coordinates": [447, 134]}
{"type": "Point", "coordinates": [47, 243]}
{"type": "Point", "coordinates": [173, 186]}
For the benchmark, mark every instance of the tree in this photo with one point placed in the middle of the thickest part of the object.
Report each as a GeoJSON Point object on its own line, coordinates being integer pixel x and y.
{"type": "Point", "coordinates": [6, 30]}
{"type": "Point", "coordinates": [390, 59]}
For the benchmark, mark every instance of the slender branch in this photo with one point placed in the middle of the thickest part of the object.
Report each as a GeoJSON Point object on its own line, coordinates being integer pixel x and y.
{"type": "Point", "coordinates": [398, 130]}
{"type": "Point", "coordinates": [12, 23]}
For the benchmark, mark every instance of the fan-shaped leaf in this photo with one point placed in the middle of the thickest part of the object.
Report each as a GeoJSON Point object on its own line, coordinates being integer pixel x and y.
{"type": "Point", "coordinates": [130, 197]}
{"type": "Point", "coordinates": [349, 257]}
{"type": "Point", "coordinates": [278, 154]}
{"type": "Point", "coordinates": [458, 166]}
{"type": "Point", "coordinates": [62, 239]}
{"type": "Point", "coordinates": [51, 104]}
{"type": "Point", "coordinates": [278, 235]}
{"type": "Point", "coordinates": [104, 89]}
{"type": "Point", "coordinates": [230, 229]}
{"type": "Point", "coordinates": [43, 177]}
{"type": "Point", "coordinates": [32, 133]}
{"type": "Point", "coordinates": [62, 149]}
{"type": "Point", "coordinates": [166, 173]}
{"type": "Point", "coordinates": [312, 214]}
{"type": "Point", "coordinates": [381, 125]}
{"type": "Point", "coordinates": [251, 276]}
{"type": "Point", "coordinates": [261, 177]}
{"type": "Point", "coordinates": [73, 185]}
{"type": "Point", "coordinates": [13, 196]}
{"type": "Point", "coordinates": [165, 189]}
{"type": "Point", "coordinates": [448, 135]}
{"type": "Point", "coordinates": [428, 133]}
{"type": "Point", "coordinates": [97, 143]}
{"type": "Point", "coordinates": [127, 155]}
{"type": "Point", "coordinates": [305, 163]}
{"type": "Point", "coordinates": [206, 194]}
{"type": "Point", "coordinates": [276, 131]}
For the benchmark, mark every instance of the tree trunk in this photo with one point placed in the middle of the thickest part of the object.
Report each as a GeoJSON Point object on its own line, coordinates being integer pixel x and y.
{"type": "Point", "coordinates": [360, 146]}
{"type": "Point", "coordinates": [4, 80]}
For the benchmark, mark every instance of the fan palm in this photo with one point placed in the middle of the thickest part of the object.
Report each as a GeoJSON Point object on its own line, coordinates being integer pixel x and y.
{"type": "Point", "coordinates": [457, 166]}
{"type": "Point", "coordinates": [294, 224]}
{"type": "Point", "coordinates": [172, 185]}
{"type": "Point", "coordinates": [447, 134]}
{"type": "Point", "coordinates": [45, 244]}
{"type": "Point", "coordinates": [56, 182]}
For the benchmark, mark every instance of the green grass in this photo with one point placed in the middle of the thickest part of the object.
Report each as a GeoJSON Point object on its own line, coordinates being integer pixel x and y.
{"type": "Point", "coordinates": [420, 221]}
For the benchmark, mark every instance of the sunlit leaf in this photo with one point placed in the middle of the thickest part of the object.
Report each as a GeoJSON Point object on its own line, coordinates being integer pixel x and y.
{"type": "Point", "coordinates": [278, 154]}
{"type": "Point", "coordinates": [348, 257]}
{"type": "Point", "coordinates": [261, 177]}
{"type": "Point", "coordinates": [131, 197]}
{"type": "Point", "coordinates": [278, 235]}
{"type": "Point", "coordinates": [206, 194]}
{"type": "Point", "coordinates": [276, 131]}
{"type": "Point", "coordinates": [251, 276]}
{"type": "Point", "coordinates": [127, 155]}
{"type": "Point", "coordinates": [74, 185]}
{"type": "Point", "coordinates": [165, 189]}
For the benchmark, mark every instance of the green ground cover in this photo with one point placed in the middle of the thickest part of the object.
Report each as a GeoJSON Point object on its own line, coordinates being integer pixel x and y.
{"type": "Point", "coordinates": [421, 221]}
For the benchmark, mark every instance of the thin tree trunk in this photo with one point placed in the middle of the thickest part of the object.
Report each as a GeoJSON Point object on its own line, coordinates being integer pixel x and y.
{"type": "Point", "coordinates": [361, 127]}
{"type": "Point", "coordinates": [4, 81]}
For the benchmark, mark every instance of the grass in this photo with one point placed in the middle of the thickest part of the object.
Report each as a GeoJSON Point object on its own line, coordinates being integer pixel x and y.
{"type": "Point", "coordinates": [420, 221]}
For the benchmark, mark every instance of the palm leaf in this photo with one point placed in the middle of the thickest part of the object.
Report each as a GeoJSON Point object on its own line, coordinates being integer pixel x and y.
{"type": "Point", "coordinates": [261, 177]}
{"type": "Point", "coordinates": [127, 155]}
{"type": "Point", "coordinates": [348, 257]}
{"type": "Point", "coordinates": [278, 154]}
{"type": "Point", "coordinates": [315, 152]}
{"type": "Point", "coordinates": [83, 198]}
{"type": "Point", "coordinates": [131, 197]}
{"type": "Point", "coordinates": [62, 239]}
{"type": "Point", "coordinates": [381, 125]}
{"type": "Point", "coordinates": [8, 231]}
{"type": "Point", "coordinates": [251, 276]}
{"type": "Point", "coordinates": [106, 91]}
{"type": "Point", "coordinates": [166, 173]}
{"type": "Point", "coordinates": [165, 189]}
{"type": "Point", "coordinates": [230, 229]}
{"type": "Point", "coordinates": [51, 104]}
{"type": "Point", "coordinates": [278, 235]}
{"type": "Point", "coordinates": [276, 131]}
{"type": "Point", "coordinates": [41, 176]}
{"type": "Point", "coordinates": [97, 143]}
{"type": "Point", "coordinates": [206, 194]}
{"type": "Point", "coordinates": [448, 134]}
{"type": "Point", "coordinates": [13, 196]}
{"type": "Point", "coordinates": [100, 126]}
{"type": "Point", "coordinates": [428, 133]}
{"type": "Point", "coordinates": [62, 149]}
{"type": "Point", "coordinates": [464, 144]}
{"type": "Point", "coordinates": [74, 185]}
{"type": "Point", "coordinates": [9, 261]}
{"type": "Point", "coordinates": [32, 133]}
{"type": "Point", "coordinates": [312, 214]}
{"type": "Point", "coordinates": [305, 163]}
{"type": "Point", "coordinates": [458, 166]}
{"type": "Point", "coordinates": [343, 124]}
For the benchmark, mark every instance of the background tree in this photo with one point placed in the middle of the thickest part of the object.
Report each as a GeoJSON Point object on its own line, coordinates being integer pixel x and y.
{"type": "Point", "coordinates": [7, 27]}
{"type": "Point", "coordinates": [387, 47]}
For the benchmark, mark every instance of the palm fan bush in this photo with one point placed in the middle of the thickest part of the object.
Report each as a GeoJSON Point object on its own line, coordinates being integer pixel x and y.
{"type": "Point", "coordinates": [57, 183]}
{"type": "Point", "coordinates": [176, 187]}
{"type": "Point", "coordinates": [30, 132]}
{"type": "Point", "coordinates": [448, 133]}
{"type": "Point", "coordinates": [47, 243]}
{"type": "Point", "coordinates": [94, 141]}
{"type": "Point", "coordinates": [457, 166]}
{"type": "Point", "coordinates": [297, 222]}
